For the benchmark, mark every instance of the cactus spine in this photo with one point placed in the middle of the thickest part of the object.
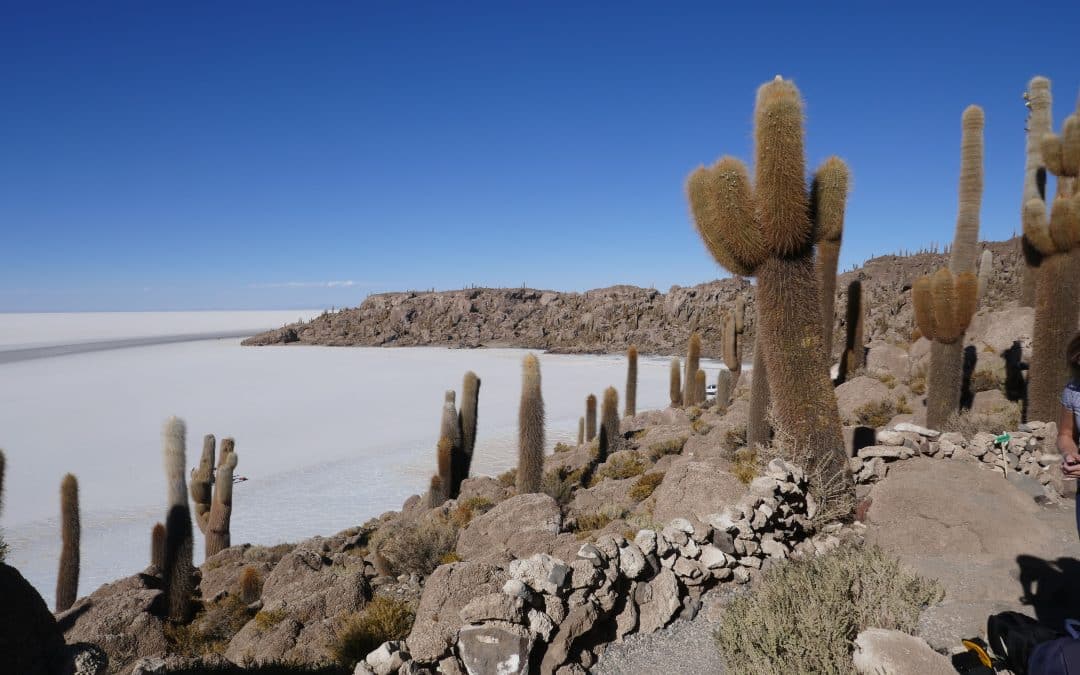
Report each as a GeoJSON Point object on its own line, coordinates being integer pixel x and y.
{"type": "Point", "coordinates": [631, 381]}
{"type": "Point", "coordinates": [531, 429]}
{"type": "Point", "coordinates": [590, 417]}
{"type": "Point", "coordinates": [693, 357]}
{"type": "Point", "coordinates": [1038, 125]}
{"type": "Point", "coordinates": [828, 195]}
{"type": "Point", "coordinates": [766, 232]}
{"type": "Point", "coordinates": [1057, 292]}
{"type": "Point", "coordinates": [944, 304]}
{"type": "Point", "coordinates": [67, 580]}
{"type": "Point", "coordinates": [179, 569]}
{"type": "Point", "coordinates": [218, 532]}
{"type": "Point", "coordinates": [853, 358]}
{"type": "Point", "coordinates": [986, 268]}
{"type": "Point", "coordinates": [674, 384]}
{"type": "Point", "coordinates": [470, 401]}
{"type": "Point", "coordinates": [157, 546]}
{"type": "Point", "coordinates": [609, 425]}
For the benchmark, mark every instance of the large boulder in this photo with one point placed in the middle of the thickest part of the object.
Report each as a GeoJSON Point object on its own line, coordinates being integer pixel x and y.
{"type": "Point", "coordinates": [495, 647]}
{"type": "Point", "coordinates": [879, 651]}
{"type": "Point", "coordinates": [695, 490]}
{"type": "Point", "coordinates": [888, 359]}
{"type": "Point", "coordinates": [483, 487]}
{"type": "Point", "coordinates": [447, 591]}
{"type": "Point", "coordinates": [996, 331]}
{"type": "Point", "coordinates": [857, 392]}
{"type": "Point", "coordinates": [30, 641]}
{"type": "Point", "coordinates": [516, 528]}
{"type": "Point", "coordinates": [121, 618]}
{"type": "Point", "coordinates": [221, 572]}
{"type": "Point", "coordinates": [606, 496]}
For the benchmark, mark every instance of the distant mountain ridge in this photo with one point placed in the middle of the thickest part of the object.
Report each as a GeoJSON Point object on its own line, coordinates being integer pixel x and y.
{"type": "Point", "coordinates": [609, 319]}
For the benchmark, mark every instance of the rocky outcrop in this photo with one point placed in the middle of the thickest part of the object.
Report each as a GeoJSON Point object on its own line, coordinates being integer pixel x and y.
{"type": "Point", "coordinates": [518, 526]}
{"type": "Point", "coordinates": [609, 319]}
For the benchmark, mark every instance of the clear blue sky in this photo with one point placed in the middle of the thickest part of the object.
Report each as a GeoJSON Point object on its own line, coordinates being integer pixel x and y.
{"type": "Point", "coordinates": [197, 155]}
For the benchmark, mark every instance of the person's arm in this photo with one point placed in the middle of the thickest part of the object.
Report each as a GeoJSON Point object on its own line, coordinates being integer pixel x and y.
{"type": "Point", "coordinates": [1066, 443]}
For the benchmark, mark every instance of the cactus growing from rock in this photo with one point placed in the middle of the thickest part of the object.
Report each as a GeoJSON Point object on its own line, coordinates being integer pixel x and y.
{"type": "Point", "coordinates": [470, 401]}
{"type": "Point", "coordinates": [828, 196]}
{"type": "Point", "coordinates": [609, 425]}
{"type": "Point", "coordinates": [67, 580]}
{"type": "Point", "coordinates": [944, 304]}
{"type": "Point", "coordinates": [631, 382]}
{"type": "Point", "coordinates": [202, 480]}
{"type": "Point", "coordinates": [157, 546]}
{"type": "Point", "coordinates": [530, 428]}
{"type": "Point", "coordinates": [441, 481]}
{"type": "Point", "coordinates": [765, 231]}
{"type": "Point", "coordinates": [693, 358]}
{"type": "Point", "coordinates": [1057, 292]}
{"type": "Point", "coordinates": [986, 268]}
{"type": "Point", "coordinates": [218, 532]}
{"type": "Point", "coordinates": [590, 417]}
{"type": "Point", "coordinates": [854, 342]}
{"type": "Point", "coordinates": [674, 384]}
{"type": "Point", "coordinates": [179, 569]}
{"type": "Point", "coordinates": [1038, 125]}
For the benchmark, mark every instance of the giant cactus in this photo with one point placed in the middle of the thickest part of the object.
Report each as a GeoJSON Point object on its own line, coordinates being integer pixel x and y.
{"type": "Point", "coordinates": [178, 572]}
{"type": "Point", "coordinates": [530, 428]}
{"type": "Point", "coordinates": [218, 529]}
{"type": "Point", "coordinates": [944, 304]}
{"type": "Point", "coordinates": [766, 231]}
{"type": "Point", "coordinates": [609, 425]}
{"type": "Point", "coordinates": [828, 196]}
{"type": "Point", "coordinates": [1038, 125]}
{"type": "Point", "coordinates": [67, 580]}
{"type": "Point", "coordinates": [470, 402]}
{"type": "Point", "coordinates": [1057, 292]}
{"type": "Point", "coordinates": [693, 359]}
{"type": "Point", "coordinates": [674, 386]}
{"type": "Point", "coordinates": [631, 381]}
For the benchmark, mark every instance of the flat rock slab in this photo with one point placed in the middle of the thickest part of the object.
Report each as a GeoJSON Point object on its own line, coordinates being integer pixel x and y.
{"type": "Point", "coordinates": [889, 652]}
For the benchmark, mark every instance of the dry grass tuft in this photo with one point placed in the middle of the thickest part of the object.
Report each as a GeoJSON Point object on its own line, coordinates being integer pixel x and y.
{"type": "Point", "coordinates": [804, 615]}
{"type": "Point", "coordinates": [877, 414]}
{"type": "Point", "coordinates": [469, 509]}
{"type": "Point", "coordinates": [747, 465]}
{"type": "Point", "coordinates": [211, 629]}
{"type": "Point", "coordinates": [415, 546]}
{"type": "Point", "coordinates": [968, 423]}
{"type": "Point", "coordinates": [671, 446]}
{"type": "Point", "coordinates": [359, 633]}
{"type": "Point", "coordinates": [619, 468]}
{"type": "Point", "coordinates": [645, 486]}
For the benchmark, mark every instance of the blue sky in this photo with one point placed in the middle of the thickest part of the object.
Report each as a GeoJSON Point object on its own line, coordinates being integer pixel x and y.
{"type": "Point", "coordinates": [266, 154]}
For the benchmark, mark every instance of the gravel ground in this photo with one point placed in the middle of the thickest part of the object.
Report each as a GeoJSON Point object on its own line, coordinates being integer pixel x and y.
{"type": "Point", "coordinates": [682, 647]}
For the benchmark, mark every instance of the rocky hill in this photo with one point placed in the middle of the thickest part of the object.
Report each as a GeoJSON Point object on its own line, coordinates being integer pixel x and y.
{"type": "Point", "coordinates": [609, 319]}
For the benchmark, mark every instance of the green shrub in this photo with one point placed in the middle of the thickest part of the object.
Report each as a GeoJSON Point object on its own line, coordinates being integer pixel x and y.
{"type": "Point", "coordinates": [672, 446]}
{"type": "Point", "coordinates": [359, 633]}
{"type": "Point", "coordinates": [508, 478]}
{"type": "Point", "coordinates": [415, 546]}
{"type": "Point", "coordinates": [700, 427]}
{"type": "Point", "coordinates": [645, 486]}
{"type": "Point", "coordinates": [559, 484]}
{"type": "Point", "coordinates": [804, 615]}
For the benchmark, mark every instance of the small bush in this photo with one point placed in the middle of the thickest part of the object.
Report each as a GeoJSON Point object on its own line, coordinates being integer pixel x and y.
{"type": "Point", "coordinates": [508, 478]}
{"type": "Point", "coordinates": [700, 427]}
{"type": "Point", "coordinates": [359, 633]}
{"type": "Point", "coordinates": [833, 494]}
{"type": "Point", "coordinates": [618, 468]}
{"type": "Point", "coordinates": [598, 520]}
{"type": "Point", "coordinates": [747, 465]}
{"type": "Point", "coordinates": [211, 629]}
{"type": "Point", "coordinates": [646, 485]}
{"type": "Point", "coordinates": [968, 423]}
{"type": "Point", "coordinates": [469, 509]}
{"type": "Point", "coordinates": [559, 484]}
{"type": "Point", "coordinates": [415, 546]}
{"type": "Point", "coordinates": [876, 414]}
{"type": "Point", "coordinates": [885, 378]}
{"type": "Point", "coordinates": [563, 447]}
{"type": "Point", "coordinates": [251, 583]}
{"type": "Point", "coordinates": [265, 620]}
{"type": "Point", "coordinates": [672, 446]}
{"type": "Point", "coordinates": [805, 614]}
{"type": "Point", "coordinates": [449, 558]}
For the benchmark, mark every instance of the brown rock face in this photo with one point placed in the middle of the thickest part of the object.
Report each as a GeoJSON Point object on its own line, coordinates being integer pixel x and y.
{"type": "Point", "coordinates": [446, 592]}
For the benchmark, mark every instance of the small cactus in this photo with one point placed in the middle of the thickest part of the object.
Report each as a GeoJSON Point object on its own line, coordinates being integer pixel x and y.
{"type": "Point", "coordinates": [699, 387]}
{"type": "Point", "coordinates": [828, 195]}
{"type": "Point", "coordinates": [590, 417]}
{"type": "Point", "coordinates": [3, 462]}
{"type": "Point", "coordinates": [675, 385]}
{"type": "Point", "coordinates": [444, 454]}
{"type": "Point", "coordinates": [730, 333]}
{"type": "Point", "coordinates": [609, 425]}
{"type": "Point", "coordinates": [250, 585]}
{"type": "Point", "coordinates": [631, 382]}
{"type": "Point", "coordinates": [202, 481]}
{"type": "Point", "coordinates": [178, 572]}
{"type": "Point", "coordinates": [67, 580]}
{"type": "Point", "coordinates": [693, 358]}
{"type": "Point", "coordinates": [157, 546]}
{"type": "Point", "coordinates": [530, 429]}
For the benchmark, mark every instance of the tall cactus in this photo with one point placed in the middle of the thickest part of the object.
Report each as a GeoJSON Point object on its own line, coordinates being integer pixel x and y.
{"type": "Point", "coordinates": [828, 196]}
{"type": "Point", "coordinates": [590, 417]}
{"type": "Point", "coordinates": [966, 238]}
{"type": "Point", "coordinates": [1057, 293]}
{"type": "Point", "coordinates": [631, 382]}
{"type": "Point", "coordinates": [218, 529]}
{"type": "Point", "coordinates": [693, 358]}
{"type": "Point", "coordinates": [723, 388]}
{"type": "Point", "coordinates": [530, 429]}
{"type": "Point", "coordinates": [986, 269]}
{"type": "Point", "coordinates": [450, 429]}
{"type": "Point", "coordinates": [766, 231]}
{"type": "Point", "coordinates": [178, 573]}
{"type": "Point", "coordinates": [674, 384]}
{"type": "Point", "coordinates": [609, 425]}
{"type": "Point", "coordinates": [67, 580]}
{"type": "Point", "coordinates": [1038, 125]}
{"type": "Point", "coordinates": [944, 304]}
{"type": "Point", "coordinates": [470, 402]}
{"type": "Point", "coordinates": [854, 349]}
{"type": "Point", "coordinates": [757, 421]}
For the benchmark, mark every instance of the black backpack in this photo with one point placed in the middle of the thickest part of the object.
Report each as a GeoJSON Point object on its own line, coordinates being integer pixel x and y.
{"type": "Point", "coordinates": [1013, 638]}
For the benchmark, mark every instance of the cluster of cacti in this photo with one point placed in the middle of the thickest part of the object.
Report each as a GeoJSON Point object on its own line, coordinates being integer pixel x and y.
{"type": "Point", "coordinates": [828, 197]}
{"type": "Point", "coordinates": [853, 357]}
{"type": "Point", "coordinates": [631, 382]}
{"type": "Point", "coordinates": [211, 493]}
{"type": "Point", "coordinates": [946, 301]}
{"type": "Point", "coordinates": [1039, 123]}
{"type": "Point", "coordinates": [1057, 291]}
{"type": "Point", "coordinates": [530, 468]}
{"type": "Point", "coordinates": [766, 231]}
{"type": "Point", "coordinates": [456, 441]}
{"type": "Point", "coordinates": [693, 361]}
{"type": "Point", "coordinates": [986, 269]}
{"type": "Point", "coordinates": [944, 304]}
{"type": "Point", "coordinates": [675, 384]}
{"type": "Point", "coordinates": [590, 417]}
{"type": "Point", "coordinates": [178, 570]}
{"type": "Point", "coordinates": [67, 578]}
